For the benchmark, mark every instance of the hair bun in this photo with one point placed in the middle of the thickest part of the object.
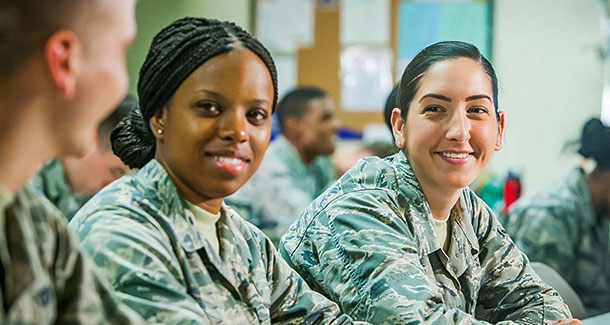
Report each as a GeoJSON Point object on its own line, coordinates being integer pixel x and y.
{"type": "Point", "coordinates": [595, 142]}
{"type": "Point", "coordinates": [132, 140]}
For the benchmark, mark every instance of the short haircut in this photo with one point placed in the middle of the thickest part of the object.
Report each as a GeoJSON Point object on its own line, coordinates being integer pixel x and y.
{"type": "Point", "coordinates": [26, 25]}
{"type": "Point", "coordinates": [295, 104]}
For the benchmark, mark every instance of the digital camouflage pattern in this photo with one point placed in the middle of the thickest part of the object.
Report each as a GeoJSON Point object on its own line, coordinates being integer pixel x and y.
{"type": "Point", "coordinates": [368, 243]}
{"type": "Point", "coordinates": [45, 277]}
{"type": "Point", "coordinates": [142, 234]}
{"type": "Point", "coordinates": [558, 227]}
{"type": "Point", "coordinates": [50, 182]}
{"type": "Point", "coordinates": [282, 188]}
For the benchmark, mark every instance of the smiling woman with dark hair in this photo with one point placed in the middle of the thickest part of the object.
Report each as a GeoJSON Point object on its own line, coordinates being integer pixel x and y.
{"type": "Point", "coordinates": [404, 240]}
{"type": "Point", "coordinates": [169, 245]}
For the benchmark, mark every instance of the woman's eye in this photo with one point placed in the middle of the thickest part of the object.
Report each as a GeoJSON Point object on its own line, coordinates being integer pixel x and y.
{"type": "Point", "coordinates": [478, 110]}
{"type": "Point", "coordinates": [433, 109]}
{"type": "Point", "coordinates": [208, 108]}
{"type": "Point", "coordinates": [257, 115]}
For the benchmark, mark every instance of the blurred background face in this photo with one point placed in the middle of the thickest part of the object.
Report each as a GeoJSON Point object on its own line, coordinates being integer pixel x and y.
{"type": "Point", "coordinates": [216, 127]}
{"type": "Point", "coordinates": [91, 173]}
{"type": "Point", "coordinates": [102, 80]}
{"type": "Point", "coordinates": [319, 126]}
{"type": "Point", "coordinates": [451, 130]}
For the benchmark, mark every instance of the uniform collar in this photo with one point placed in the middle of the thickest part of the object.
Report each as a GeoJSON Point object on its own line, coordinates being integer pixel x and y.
{"type": "Point", "coordinates": [163, 194]}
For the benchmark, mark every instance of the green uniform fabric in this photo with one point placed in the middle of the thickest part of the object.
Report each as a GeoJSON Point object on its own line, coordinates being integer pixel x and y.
{"type": "Point", "coordinates": [282, 188]}
{"type": "Point", "coordinates": [368, 243]}
{"type": "Point", "coordinates": [51, 182]}
{"type": "Point", "coordinates": [45, 278]}
{"type": "Point", "coordinates": [558, 227]}
{"type": "Point", "coordinates": [140, 231]}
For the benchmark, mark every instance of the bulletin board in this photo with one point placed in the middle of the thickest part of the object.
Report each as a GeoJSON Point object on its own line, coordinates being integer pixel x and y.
{"type": "Point", "coordinates": [319, 64]}
{"type": "Point", "coordinates": [412, 26]}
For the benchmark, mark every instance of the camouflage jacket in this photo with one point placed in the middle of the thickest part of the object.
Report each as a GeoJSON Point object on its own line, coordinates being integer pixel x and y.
{"type": "Point", "coordinates": [558, 226]}
{"type": "Point", "coordinates": [50, 182]}
{"type": "Point", "coordinates": [368, 243]}
{"type": "Point", "coordinates": [141, 233]}
{"type": "Point", "coordinates": [45, 277]}
{"type": "Point", "coordinates": [281, 188]}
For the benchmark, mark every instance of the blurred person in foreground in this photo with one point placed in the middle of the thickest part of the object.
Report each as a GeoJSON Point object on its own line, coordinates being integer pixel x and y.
{"type": "Point", "coordinates": [68, 182]}
{"type": "Point", "coordinates": [566, 225]}
{"type": "Point", "coordinates": [62, 71]}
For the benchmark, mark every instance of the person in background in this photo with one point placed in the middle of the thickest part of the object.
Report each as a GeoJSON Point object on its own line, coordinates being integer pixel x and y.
{"type": "Point", "coordinates": [171, 248]}
{"type": "Point", "coordinates": [70, 181]}
{"type": "Point", "coordinates": [404, 240]}
{"type": "Point", "coordinates": [297, 167]}
{"type": "Point", "coordinates": [566, 225]}
{"type": "Point", "coordinates": [62, 71]}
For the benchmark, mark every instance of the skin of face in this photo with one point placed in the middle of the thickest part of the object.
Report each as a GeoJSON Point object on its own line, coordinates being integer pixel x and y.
{"type": "Point", "coordinates": [99, 75]}
{"type": "Point", "coordinates": [91, 173]}
{"type": "Point", "coordinates": [216, 127]}
{"type": "Point", "coordinates": [451, 128]}
{"type": "Point", "coordinates": [318, 127]}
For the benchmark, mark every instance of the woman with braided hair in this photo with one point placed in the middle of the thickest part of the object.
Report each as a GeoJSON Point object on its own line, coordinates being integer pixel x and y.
{"type": "Point", "coordinates": [163, 236]}
{"type": "Point", "coordinates": [566, 224]}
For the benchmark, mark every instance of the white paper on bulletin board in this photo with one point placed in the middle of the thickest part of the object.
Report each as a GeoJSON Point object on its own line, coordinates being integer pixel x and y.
{"type": "Point", "coordinates": [365, 22]}
{"type": "Point", "coordinates": [286, 66]}
{"type": "Point", "coordinates": [285, 25]}
{"type": "Point", "coordinates": [366, 78]}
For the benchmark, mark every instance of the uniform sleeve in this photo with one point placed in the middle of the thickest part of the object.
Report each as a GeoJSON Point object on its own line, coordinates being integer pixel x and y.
{"type": "Point", "coordinates": [369, 263]}
{"type": "Point", "coordinates": [292, 301]}
{"type": "Point", "coordinates": [141, 266]}
{"type": "Point", "coordinates": [510, 289]}
{"type": "Point", "coordinates": [281, 200]}
{"type": "Point", "coordinates": [545, 238]}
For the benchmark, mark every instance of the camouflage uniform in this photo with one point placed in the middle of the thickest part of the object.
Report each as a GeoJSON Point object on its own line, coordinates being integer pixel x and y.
{"type": "Point", "coordinates": [368, 243]}
{"type": "Point", "coordinates": [50, 181]}
{"type": "Point", "coordinates": [142, 234]}
{"type": "Point", "coordinates": [281, 188]}
{"type": "Point", "coordinates": [44, 276]}
{"type": "Point", "coordinates": [559, 227]}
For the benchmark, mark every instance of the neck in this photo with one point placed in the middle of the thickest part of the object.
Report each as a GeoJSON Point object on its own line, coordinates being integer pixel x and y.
{"type": "Point", "coordinates": [211, 205]}
{"type": "Point", "coordinates": [598, 183]}
{"type": "Point", "coordinates": [25, 140]}
{"type": "Point", "coordinates": [440, 201]}
{"type": "Point", "coordinates": [306, 157]}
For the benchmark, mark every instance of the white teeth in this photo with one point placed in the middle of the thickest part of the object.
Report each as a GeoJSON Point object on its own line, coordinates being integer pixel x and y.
{"type": "Point", "coordinates": [454, 155]}
{"type": "Point", "coordinates": [227, 160]}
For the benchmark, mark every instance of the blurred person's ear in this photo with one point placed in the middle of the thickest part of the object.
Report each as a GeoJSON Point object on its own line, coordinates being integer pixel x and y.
{"type": "Point", "coordinates": [62, 54]}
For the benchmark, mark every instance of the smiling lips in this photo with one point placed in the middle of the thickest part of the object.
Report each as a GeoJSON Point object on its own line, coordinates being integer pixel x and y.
{"type": "Point", "coordinates": [231, 163]}
{"type": "Point", "coordinates": [455, 158]}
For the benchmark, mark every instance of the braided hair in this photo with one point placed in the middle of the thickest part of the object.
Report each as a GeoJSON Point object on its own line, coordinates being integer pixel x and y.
{"type": "Point", "coordinates": [175, 52]}
{"type": "Point", "coordinates": [595, 143]}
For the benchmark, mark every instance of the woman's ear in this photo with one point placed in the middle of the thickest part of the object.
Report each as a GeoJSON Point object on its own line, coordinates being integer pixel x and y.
{"type": "Point", "coordinates": [157, 123]}
{"type": "Point", "coordinates": [500, 131]}
{"type": "Point", "coordinates": [398, 125]}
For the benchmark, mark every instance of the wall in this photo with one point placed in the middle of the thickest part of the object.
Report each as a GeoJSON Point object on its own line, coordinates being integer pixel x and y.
{"type": "Point", "coordinates": [153, 15]}
{"type": "Point", "coordinates": [544, 52]}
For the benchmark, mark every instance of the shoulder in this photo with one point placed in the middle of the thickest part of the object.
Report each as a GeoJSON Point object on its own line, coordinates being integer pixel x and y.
{"type": "Point", "coordinates": [123, 207]}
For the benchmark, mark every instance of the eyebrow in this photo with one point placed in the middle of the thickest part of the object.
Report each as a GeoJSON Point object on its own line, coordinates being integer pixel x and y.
{"type": "Point", "coordinates": [221, 97]}
{"type": "Point", "coordinates": [447, 99]}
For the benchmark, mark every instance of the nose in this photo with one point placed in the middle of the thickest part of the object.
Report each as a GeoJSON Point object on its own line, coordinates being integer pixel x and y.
{"type": "Point", "coordinates": [232, 126]}
{"type": "Point", "coordinates": [458, 128]}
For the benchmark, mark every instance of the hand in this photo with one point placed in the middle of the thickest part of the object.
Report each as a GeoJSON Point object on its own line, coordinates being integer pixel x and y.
{"type": "Point", "coordinates": [572, 321]}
